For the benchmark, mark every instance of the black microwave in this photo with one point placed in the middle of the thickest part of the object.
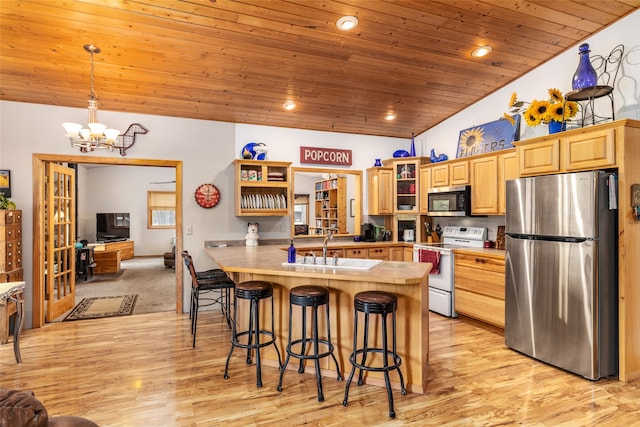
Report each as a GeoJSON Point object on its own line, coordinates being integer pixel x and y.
{"type": "Point", "coordinates": [449, 201]}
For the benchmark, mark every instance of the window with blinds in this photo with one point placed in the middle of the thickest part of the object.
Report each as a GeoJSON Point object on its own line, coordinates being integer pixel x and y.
{"type": "Point", "coordinates": [161, 209]}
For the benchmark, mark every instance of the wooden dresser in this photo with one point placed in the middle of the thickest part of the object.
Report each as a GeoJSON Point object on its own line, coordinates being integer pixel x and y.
{"type": "Point", "coordinates": [10, 261]}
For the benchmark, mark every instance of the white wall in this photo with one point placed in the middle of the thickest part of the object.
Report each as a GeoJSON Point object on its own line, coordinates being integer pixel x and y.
{"type": "Point", "coordinates": [556, 73]}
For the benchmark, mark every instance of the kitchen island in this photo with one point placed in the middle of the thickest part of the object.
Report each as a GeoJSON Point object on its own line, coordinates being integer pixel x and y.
{"type": "Point", "coordinates": [409, 281]}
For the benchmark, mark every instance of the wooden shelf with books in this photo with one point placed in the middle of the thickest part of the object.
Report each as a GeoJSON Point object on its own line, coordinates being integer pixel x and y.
{"type": "Point", "coordinates": [331, 206]}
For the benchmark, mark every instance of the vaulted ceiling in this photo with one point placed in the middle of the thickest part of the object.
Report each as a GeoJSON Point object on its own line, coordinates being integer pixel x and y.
{"type": "Point", "coordinates": [239, 61]}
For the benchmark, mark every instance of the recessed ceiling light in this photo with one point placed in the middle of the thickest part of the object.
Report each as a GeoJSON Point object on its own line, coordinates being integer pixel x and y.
{"type": "Point", "coordinates": [347, 23]}
{"type": "Point", "coordinates": [289, 105]}
{"type": "Point", "coordinates": [481, 51]}
{"type": "Point", "coordinates": [390, 116]}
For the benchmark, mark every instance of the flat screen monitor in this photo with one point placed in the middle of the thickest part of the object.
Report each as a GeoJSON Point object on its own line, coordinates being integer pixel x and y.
{"type": "Point", "coordinates": [112, 226]}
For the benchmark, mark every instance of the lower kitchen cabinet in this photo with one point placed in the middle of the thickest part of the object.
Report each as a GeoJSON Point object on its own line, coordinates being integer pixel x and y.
{"type": "Point", "coordinates": [356, 253]}
{"type": "Point", "coordinates": [378, 253]}
{"type": "Point", "coordinates": [479, 286]}
{"type": "Point", "coordinates": [398, 252]}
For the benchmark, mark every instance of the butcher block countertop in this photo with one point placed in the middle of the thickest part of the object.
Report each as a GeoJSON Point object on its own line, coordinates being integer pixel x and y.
{"type": "Point", "coordinates": [269, 259]}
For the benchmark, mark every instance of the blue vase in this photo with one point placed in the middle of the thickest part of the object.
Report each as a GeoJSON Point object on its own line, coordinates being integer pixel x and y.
{"type": "Point", "coordinates": [412, 152]}
{"type": "Point", "coordinates": [378, 163]}
{"type": "Point", "coordinates": [555, 127]}
{"type": "Point", "coordinates": [585, 75]}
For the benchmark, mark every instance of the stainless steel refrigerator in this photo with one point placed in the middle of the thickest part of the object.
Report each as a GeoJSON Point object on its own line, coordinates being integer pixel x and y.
{"type": "Point", "coordinates": [561, 271]}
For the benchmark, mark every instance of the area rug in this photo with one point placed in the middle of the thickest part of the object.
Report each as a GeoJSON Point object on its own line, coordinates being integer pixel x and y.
{"type": "Point", "coordinates": [100, 307]}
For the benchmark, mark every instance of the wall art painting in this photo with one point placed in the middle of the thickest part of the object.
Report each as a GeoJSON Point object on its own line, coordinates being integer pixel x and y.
{"type": "Point", "coordinates": [492, 136]}
{"type": "Point", "coordinates": [5, 183]}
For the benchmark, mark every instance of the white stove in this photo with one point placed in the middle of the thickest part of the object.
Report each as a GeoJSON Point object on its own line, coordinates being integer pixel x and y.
{"type": "Point", "coordinates": [441, 284]}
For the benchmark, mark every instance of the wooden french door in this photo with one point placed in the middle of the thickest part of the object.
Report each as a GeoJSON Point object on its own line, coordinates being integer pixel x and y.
{"type": "Point", "coordinates": [60, 237]}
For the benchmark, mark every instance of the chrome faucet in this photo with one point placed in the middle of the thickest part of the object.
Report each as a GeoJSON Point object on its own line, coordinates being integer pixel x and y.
{"type": "Point", "coordinates": [327, 237]}
{"type": "Point", "coordinates": [335, 257]}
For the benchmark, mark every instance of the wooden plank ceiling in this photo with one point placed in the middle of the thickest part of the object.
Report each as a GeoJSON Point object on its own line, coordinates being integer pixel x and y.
{"type": "Point", "coordinates": [239, 61]}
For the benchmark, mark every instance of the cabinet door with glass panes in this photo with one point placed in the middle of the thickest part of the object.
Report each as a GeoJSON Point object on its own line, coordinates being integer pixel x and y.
{"type": "Point", "coordinates": [331, 206]}
{"type": "Point", "coordinates": [407, 182]}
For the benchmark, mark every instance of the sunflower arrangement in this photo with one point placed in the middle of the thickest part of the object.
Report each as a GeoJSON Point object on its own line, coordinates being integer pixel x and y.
{"type": "Point", "coordinates": [542, 111]}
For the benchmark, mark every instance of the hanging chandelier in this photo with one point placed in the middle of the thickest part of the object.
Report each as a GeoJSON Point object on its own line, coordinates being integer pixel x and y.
{"type": "Point", "coordinates": [96, 135]}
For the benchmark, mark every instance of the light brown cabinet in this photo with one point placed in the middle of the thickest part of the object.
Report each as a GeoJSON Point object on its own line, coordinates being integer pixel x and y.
{"type": "Point", "coordinates": [380, 190]}
{"type": "Point", "coordinates": [406, 188]}
{"type": "Point", "coordinates": [489, 174]}
{"type": "Point", "coordinates": [425, 184]}
{"type": "Point", "coordinates": [396, 253]}
{"type": "Point", "coordinates": [574, 151]}
{"type": "Point", "coordinates": [125, 248]}
{"type": "Point", "coordinates": [331, 206]}
{"type": "Point", "coordinates": [507, 170]}
{"type": "Point", "coordinates": [479, 286]}
{"type": "Point", "coordinates": [593, 150]}
{"type": "Point", "coordinates": [10, 245]}
{"type": "Point", "coordinates": [450, 173]}
{"type": "Point", "coordinates": [484, 185]}
{"type": "Point", "coordinates": [356, 253]}
{"type": "Point", "coordinates": [539, 158]}
{"type": "Point", "coordinates": [10, 262]}
{"type": "Point", "coordinates": [387, 253]}
{"type": "Point", "coordinates": [378, 253]}
{"type": "Point", "coordinates": [262, 188]}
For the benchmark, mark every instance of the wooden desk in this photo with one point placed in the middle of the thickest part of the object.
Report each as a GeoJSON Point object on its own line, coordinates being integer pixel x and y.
{"type": "Point", "coordinates": [106, 261]}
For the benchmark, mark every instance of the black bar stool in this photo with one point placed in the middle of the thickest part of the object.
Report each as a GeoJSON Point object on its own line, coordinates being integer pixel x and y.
{"type": "Point", "coordinates": [383, 303]}
{"type": "Point", "coordinates": [313, 297]}
{"type": "Point", "coordinates": [204, 282]}
{"type": "Point", "coordinates": [254, 291]}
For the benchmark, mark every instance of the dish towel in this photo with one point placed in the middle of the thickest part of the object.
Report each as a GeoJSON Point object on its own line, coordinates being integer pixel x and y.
{"type": "Point", "coordinates": [433, 257]}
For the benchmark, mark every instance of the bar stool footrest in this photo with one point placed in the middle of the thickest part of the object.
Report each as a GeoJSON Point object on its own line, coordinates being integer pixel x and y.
{"type": "Point", "coordinates": [396, 359]}
{"type": "Point", "coordinates": [309, 344]}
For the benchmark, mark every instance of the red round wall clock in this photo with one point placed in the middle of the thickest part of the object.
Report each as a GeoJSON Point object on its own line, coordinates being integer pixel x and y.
{"type": "Point", "coordinates": [207, 195]}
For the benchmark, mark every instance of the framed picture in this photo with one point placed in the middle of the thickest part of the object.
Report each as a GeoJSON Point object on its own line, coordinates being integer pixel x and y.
{"type": "Point", "coordinates": [492, 136]}
{"type": "Point", "coordinates": [5, 183]}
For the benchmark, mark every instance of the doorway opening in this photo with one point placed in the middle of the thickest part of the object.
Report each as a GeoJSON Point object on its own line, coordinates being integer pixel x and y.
{"type": "Point", "coordinates": [40, 162]}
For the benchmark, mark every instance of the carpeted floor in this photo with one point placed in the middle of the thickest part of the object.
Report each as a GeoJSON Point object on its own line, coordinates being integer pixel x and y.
{"type": "Point", "coordinates": [143, 276]}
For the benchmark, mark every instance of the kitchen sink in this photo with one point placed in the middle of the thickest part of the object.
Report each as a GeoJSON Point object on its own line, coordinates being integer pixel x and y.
{"type": "Point", "coordinates": [342, 263]}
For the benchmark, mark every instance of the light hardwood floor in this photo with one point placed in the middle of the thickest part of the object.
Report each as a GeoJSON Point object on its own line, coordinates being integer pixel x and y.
{"type": "Point", "coordinates": [142, 371]}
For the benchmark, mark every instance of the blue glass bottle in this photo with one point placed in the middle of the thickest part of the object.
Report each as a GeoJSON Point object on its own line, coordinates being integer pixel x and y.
{"type": "Point", "coordinates": [585, 75]}
{"type": "Point", "coordinates": [291, 258]}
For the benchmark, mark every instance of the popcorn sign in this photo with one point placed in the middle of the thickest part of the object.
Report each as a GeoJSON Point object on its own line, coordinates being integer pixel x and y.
{"type": "Point", "coordinates": [325, 156]}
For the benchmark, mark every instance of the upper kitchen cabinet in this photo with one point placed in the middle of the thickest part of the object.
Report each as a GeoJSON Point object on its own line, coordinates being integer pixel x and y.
{"type": "Point", "coordinates": [507, 170]}
{"type": "Point", "coordinates": [540, 158]}
{"type": "Point", "coordinates": [380, 190]}
{"type": "Point", "coordinates": [592, 150]}
{"type": "Point", "coordinates": [406, 188]}
{"type": "Point", "coordinates": [450, 173]}
{"type": "Point", "coordinates": [425, 184]}
{"type": "Point", "coordinates": [570, 151]}
{"type": "Point", "coordinates": [262, 188]}
{"type": "Point", "coordinates": [489, 172]}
